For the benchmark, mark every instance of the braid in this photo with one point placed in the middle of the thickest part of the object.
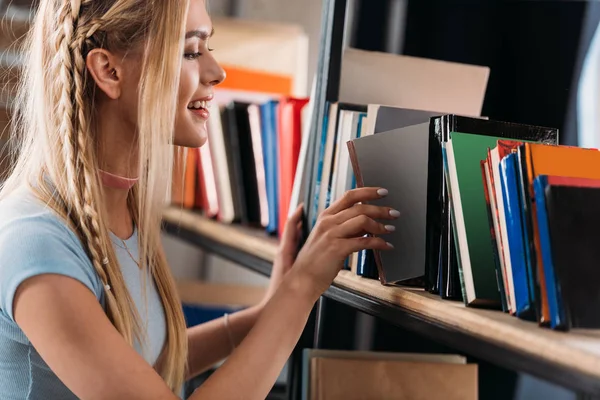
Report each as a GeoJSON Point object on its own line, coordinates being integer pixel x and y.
{"type": "Point", "coordinates": [64, 36]}
{"type": "Point", "coordinates": [87, 181]}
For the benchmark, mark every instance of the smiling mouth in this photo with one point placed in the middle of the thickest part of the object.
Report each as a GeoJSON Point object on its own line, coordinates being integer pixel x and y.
{"type": "Point", "coordinates": [200, 108]}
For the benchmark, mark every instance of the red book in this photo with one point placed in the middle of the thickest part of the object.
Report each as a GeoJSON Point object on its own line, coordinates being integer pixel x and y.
{"type": "Point", "coordinates": [290, 138]}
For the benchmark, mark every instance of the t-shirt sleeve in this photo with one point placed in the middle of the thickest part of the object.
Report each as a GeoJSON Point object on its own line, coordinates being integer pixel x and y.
{"type": "Point", "coordinates": [36, 246]}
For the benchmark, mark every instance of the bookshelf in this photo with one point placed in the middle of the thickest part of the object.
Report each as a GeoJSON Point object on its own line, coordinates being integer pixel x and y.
{"type": "Point", "coordinates": [571, 360]}
{"type": "Point", "coordinates": [568, 359]}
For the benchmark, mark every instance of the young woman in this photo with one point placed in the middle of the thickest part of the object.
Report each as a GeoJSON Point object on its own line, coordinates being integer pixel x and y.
{"type": "Point", "coordinates": [88, 308]}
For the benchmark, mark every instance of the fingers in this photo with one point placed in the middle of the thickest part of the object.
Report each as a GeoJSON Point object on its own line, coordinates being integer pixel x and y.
{"type": "Point", "coordinates": [374, 212]}
{"type": "Point", "coordinates": [360, 225]}
{"type": "Point", "coordinates": [292, 230]}
{"type": "Point", "coordinates": [365, 243]}
{"type": "Point", "coordinates": [354, 196]}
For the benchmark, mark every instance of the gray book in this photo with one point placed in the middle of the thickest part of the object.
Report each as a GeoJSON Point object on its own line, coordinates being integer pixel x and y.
{"type": "Point", "coordinates": [389, 118]}
{"type": "Point", "coordinates": [398, 161]}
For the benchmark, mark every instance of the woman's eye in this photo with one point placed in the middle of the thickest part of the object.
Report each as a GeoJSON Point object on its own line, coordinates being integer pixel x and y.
{"type": "Point", "coordinates": [192, 56]}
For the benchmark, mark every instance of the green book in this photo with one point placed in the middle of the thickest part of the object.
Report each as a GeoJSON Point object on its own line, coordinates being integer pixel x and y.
{"type": "Point", "coordinates": [472, 231]}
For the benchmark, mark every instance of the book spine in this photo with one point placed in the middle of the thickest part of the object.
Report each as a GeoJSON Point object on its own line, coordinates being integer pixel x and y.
{"type": "Point", "coordinates": [490, 214]}
{"type": "Point", "coordinates": [510, 194]}
{"type": "Point", "coordinates": [557, 313]}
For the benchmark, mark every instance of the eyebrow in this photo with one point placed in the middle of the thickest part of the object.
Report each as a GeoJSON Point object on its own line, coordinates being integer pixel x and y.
{"type": "Point", "coordinates": [202, 34]}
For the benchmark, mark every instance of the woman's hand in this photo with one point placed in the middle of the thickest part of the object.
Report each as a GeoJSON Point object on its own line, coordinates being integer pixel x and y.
{"type": "Point", "coordinates": [340, 231]}
{"type": "Point", "coordinates": [286, 254]}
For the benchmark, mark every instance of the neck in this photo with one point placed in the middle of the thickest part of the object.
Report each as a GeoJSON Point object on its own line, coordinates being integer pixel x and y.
{"type": "Point", "coordinates": [117, 156]}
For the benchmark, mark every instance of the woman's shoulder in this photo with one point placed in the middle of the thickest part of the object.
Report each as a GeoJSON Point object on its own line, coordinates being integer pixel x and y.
{"type": "Point", "coordinates": [34, 240]}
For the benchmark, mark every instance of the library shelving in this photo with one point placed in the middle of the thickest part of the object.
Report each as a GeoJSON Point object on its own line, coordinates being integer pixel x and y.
{"type": "Point", "coordinates": [569, 359]}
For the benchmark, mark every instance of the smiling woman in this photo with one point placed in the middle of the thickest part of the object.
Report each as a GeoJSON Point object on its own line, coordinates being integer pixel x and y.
{"type": "Point", "coordinates": [88, 308]}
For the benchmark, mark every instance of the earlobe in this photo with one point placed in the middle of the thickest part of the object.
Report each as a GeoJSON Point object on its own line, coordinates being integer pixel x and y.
{"type": "Point", "coordinates": [105, 71]}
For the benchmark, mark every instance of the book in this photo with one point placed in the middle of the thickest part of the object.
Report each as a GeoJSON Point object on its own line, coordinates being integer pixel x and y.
{"type": "Point", "coordinates": [289, 141]}
{"type": "Point", "coordinates": [513, 204]}
{"type": "Point", "coordinates": [406, 377]}
{"type": "Point", "coordinates": [397, 161]}
{"type": "Point", "coordinates": [572, 251]}
{"type": "Point", "coordinates": [268, 118]}
{"type": "Point", "coordinates": [418, 83]}
{"type": "Point", "coordinates": [308, 354]}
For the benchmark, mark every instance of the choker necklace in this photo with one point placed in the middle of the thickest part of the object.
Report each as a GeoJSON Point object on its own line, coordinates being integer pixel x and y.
{"type": "Point", "coordinates": [116, 181]}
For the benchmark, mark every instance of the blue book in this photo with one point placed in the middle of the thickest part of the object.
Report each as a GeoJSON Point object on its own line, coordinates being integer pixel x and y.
{"type": "Point", "coordinates": [321, 152]}
{"type": "Point", "coordinates": [512, 209]}
{"type": "Point", "coordinates": [557, 312]}
{"type": "Point", "coordinates": [268, 118]}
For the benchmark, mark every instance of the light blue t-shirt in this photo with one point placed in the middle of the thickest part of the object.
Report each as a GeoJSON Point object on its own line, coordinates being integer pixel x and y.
{"type": "Point", "coordinates": [34, 241]}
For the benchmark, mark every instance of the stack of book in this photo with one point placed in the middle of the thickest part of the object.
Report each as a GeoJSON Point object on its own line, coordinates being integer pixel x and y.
{"type": "Point", "coordinates": [544, 229]}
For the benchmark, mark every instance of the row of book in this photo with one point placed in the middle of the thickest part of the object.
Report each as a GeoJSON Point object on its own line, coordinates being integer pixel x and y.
{"type": "Point", "coordinates": [543, 223]}
{"type": "Point", "coordinates": [496, 214]}
{"type": "Point", "coordinates": [245, 173]}
{"type": "Point", "coordinates": [338, 374]}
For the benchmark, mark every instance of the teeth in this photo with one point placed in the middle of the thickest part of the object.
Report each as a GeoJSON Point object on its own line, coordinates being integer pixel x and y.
{"type": "Point", "coordinates": [198, 105]}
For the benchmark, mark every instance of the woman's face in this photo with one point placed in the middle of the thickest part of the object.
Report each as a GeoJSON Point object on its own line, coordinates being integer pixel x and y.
{"type": "Point", "coordinates": [199, 74]}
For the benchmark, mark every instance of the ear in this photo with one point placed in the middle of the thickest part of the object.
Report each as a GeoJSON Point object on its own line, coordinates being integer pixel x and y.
{"type": "Point", "coordinates": [107, 72]}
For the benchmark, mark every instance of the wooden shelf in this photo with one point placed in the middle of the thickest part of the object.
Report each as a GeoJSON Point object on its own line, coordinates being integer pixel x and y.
{"type": "Point", "coordinates": [570, 359]}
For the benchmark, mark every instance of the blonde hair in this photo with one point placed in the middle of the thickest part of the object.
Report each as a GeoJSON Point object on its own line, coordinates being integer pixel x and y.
{"type": "Point", "coordinates": [54, 125]}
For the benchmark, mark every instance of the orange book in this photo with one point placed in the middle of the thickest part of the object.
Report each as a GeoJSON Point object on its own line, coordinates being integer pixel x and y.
{"type": "Point", "coordinates": [189, 183]}
{"type": "Point", "coordinates": [564, 161]}
{"type": "Point", "coordinates": [289, 141]}
{"type": "Point", "coordinates": [177, 177]}
{"type": "Point", "coordinates": [256, 81]}
{"type": "Point", "coordinates": [201, 198]}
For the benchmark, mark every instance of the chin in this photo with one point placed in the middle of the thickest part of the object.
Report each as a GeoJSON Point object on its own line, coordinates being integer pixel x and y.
{"type": "Point", "coordinates": [191, 138]}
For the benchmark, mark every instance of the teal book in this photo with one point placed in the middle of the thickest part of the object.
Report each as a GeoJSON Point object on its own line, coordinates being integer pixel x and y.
{"type": "Point", "coordinates": [472, 234]}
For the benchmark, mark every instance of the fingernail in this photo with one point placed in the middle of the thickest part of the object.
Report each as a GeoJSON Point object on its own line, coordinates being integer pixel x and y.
{"type": "Point", "coordinates": [391, 246]}
{"type": "Point", "coordinates": [382, 192]}
{"type": "Point", "coordinates": [395, 213]}
{"type": "Point", "coordinates": [390, 228]}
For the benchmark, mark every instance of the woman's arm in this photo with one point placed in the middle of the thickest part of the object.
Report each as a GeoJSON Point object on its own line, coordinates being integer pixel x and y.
{"type": "Point", "coordinates": [252, 369]}
{"type": "Point", "coordinates": [66, 324]}
{"type": "Point", "coordinates": [68, 327]}
{"type": "Point", "coordinates": [209, 343]}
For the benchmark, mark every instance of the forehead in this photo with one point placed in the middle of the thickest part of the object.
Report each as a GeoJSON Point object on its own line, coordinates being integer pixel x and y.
{"type": "Point", "coordinates": [198, 18]}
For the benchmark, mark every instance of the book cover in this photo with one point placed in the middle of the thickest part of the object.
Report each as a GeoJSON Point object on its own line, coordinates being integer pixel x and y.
{"type": "Point", "coordinates": [488, 190]}
{"type": "Point", "coordinates": [573, 219]}
{"type": "Point", "coordinates": [234, 161]}
{"type": "Point", "coordinates": [397, 161]}
{"type": "Point", "coordinates": [259, 162]}
{"type": "Point", "coordinates": [464, 152]}
{"type": "Point", "coordinates": [268, 118]}
{"type": "Point", "coordinates": [289, 141]}
{"type": "Point", "coordinates": [512, 201]}
{"type": "Point", "coordinates": [557, 319]}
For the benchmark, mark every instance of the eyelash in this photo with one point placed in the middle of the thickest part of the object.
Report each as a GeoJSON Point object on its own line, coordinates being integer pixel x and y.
{"type": "Point", "coordinates": [193, 56]}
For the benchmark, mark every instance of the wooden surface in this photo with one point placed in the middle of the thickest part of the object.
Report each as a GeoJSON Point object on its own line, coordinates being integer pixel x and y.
{"type": "Point", "coordinates": [577, 350]}
{"type": "Point", "coordinates": [208, 293]}
{"type": "Point", "coordinates": [251, 241]}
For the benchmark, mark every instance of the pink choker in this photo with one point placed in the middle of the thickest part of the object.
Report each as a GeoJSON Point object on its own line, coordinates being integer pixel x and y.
{"type": "Point", "coordinates": [116, 181]}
